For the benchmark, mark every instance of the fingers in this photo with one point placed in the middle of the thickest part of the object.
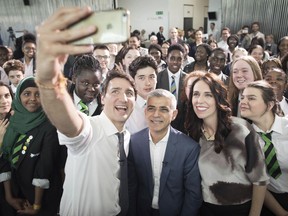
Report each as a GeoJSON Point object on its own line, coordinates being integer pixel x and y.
{"type": "Point", "coordinates": [65, 17]}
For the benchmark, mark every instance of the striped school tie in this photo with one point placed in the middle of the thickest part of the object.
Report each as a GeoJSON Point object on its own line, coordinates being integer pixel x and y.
{"type": "Point", "coordinates": [17, 149]}
{"type": "Point", "coordinates": [270, 156]}
{"type": "Point", "coordinates": [173, 86]}
{"type": "Point", "coordinates": [84, 107]}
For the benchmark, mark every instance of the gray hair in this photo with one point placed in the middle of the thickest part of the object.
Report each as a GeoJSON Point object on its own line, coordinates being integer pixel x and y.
{"type": "Point", "coordinates": [164, 93]}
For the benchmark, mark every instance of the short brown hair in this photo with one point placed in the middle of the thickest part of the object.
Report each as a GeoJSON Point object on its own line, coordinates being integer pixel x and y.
{"type": "Point", "coordinates": [13, 64]}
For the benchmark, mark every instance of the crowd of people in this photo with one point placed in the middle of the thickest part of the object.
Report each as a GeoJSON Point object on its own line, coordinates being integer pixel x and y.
{"type": "Point", "coordinates": [186, 126]}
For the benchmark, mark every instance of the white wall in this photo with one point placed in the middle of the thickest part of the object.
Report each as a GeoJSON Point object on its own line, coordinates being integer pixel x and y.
{"type": "Point", "coordinates": [143, 13]}
{"type": "Point", "coordinates": [215, 5]}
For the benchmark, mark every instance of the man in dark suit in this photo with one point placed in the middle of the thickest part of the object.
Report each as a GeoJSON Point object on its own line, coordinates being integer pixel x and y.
{"type": "Point", "coordinates": [163, 174]}
{"type": "Point", "coordinates": [165, 78]}
{"type": "Point", "coordinates": [160, 35]}
{"type": "Point", "coordinates": [217, 62]}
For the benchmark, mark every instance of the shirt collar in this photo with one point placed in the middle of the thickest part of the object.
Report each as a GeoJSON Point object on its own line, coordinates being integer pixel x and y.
{"type": "Point", "coordinates": [276, 126]}
{"type": "Point", "coordinates": [110, 128]}
{"type": "Point", "coordinates": [164, 139]}
{"type": "Point", "coordinates": [77, 99]}
{"type": "Point", "coordinates": [176, 75]}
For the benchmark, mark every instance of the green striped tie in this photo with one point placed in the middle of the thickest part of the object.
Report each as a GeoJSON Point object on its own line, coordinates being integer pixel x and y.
{"type": "Point", "coordinates": [84, 107]}
{"type": "Point", "coordinates": [270, 156]}
{"type": "Point", "coordinates": [17, 148]}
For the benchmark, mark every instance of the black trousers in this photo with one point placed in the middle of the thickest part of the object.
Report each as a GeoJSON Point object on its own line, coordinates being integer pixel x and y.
{"type": "Point", "coordinates": [208, 209]}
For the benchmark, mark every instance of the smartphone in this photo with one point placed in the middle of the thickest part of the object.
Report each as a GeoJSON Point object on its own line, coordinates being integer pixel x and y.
{"type": "Point", "coordinates": [113, 26]}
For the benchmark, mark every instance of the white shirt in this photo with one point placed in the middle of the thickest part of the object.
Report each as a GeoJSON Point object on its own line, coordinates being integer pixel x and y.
{"type": "Point", "coordinates": [177, 79]}
{"type": "Point", "coordinates": [137, 121]}
{"type": "Point", "coordinates": [92, 106]}
{"type": "Point", "coordinates": [284, 106]}
{"type": "Point", "coordinates": [157, 153]}
{"type": "Point", "coordinates": [91, 185]}
{"type": "Point", "coordinates": [13, 88]}
{"type": "Point", "coordinates": [280, 141]}
{"type": "Point", "coordinates": [28, 68]}
{"type": "Point", "coordinates": [223, 44]}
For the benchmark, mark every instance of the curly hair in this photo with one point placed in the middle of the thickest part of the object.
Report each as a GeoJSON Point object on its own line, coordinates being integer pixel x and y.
{"type": "Point", "coordinates": [13, 64]}
{"type": "Point", "coordinates": [194, 125]}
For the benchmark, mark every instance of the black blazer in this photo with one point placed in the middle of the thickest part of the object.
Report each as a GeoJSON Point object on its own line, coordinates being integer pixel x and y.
{"type": "Point", "coordinates": [42, 161]}
{"type": "Point", "coordinates": [163, 83]}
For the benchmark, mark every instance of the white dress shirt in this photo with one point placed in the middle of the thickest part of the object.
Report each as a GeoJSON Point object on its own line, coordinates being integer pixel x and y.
{"type": "Point", "coordinates": [284, 106]}
{"type": "Point", "coordinates": [136, 120]}
{"type": "Point", "coordinates": [28, 68]}
{"type": "Point", "coordinates": [157, 153]}
{"type": "Point", "coordinates": [92, 185]}
{"type": "Point", "coordinates": [279, 138]}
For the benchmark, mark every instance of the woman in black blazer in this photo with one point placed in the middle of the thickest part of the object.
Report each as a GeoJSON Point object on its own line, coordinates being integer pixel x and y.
{"type": "Point", "coordinates": [31, 149]}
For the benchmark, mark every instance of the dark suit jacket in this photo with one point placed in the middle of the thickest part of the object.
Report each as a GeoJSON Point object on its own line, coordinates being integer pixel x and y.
{"type": "Point", "coordinates": [163, 83]}
{"type": "Point", "coordinates": [180, 183]}
{"type": "Point", "coordinates": [160, 38]}
{"type": "Point", "coordinates": [40, 161]}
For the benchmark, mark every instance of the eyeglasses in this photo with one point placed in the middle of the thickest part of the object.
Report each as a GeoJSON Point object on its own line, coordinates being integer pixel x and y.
{"type": "Point", "coordinates": [102, 57]}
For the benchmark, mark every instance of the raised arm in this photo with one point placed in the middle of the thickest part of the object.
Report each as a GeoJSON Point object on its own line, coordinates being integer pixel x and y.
{"type": "Point", "coordinates": [52, 52]}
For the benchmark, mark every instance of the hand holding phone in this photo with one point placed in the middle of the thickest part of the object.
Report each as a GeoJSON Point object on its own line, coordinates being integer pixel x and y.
{"type": "Point", "coordinates": [112, 27]}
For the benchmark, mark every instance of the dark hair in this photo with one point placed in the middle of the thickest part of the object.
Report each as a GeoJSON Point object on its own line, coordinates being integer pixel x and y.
{"type": "Point", "coordinates": [235, 37]}
{"type": "Point", "coordinates": [225, 28]}
{"type": "Point", "coordinates": [274, 60]}
{"type": "Point", "coordinates": [85, 62]}
{"type": "Point", "coordinates": [29, 38]}
{"type": "Point", "coordinates": [193, 124]}
{"type": "Point", "coordinates": [101, 46]}
{"type": "Point", "coordinates": [257, 41]}
{"type": "Point", "coordinates": [279, 42]}
{"type": "Point", "coordinates": [206, 47]}
{"type": "Point", "coordinates": [8, 87]}
{"type": "Point", "coordinates": [255, 23]}
{"type": "Point", "coordinates": [284, 61]}
{"type": "Point", "coordinates": [116, 74]}
{"type": "Point", "coordinates": [122, 53]}
{"type": "Point", "coordinates": [255, 47]}
{"type": "Point", "coordinates": [267, 93]}
{"type": "Point", "coordinates": [212, 41]}
{"type": "Point", "coordinates": [218, 49]}
{"type": "Point", "coordinates": [176, 47]}
{"type": "Point", "coordinates": [135, 35]}
{"type": "Point", "coordinates": [13, 64]}
{"type": "Point", "coordinates": [155, 46]}
{"type": "Point", "coordinates": [142, 62]}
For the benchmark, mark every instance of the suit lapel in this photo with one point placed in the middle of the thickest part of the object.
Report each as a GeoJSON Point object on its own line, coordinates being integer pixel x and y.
{"type": "Point", "coordinates": [147, 159]}
{"type": "Point", "coordinates": [180, 88]}
{"type": "Point", "coordinates": [165, 80]}
{"type": "Point", "coordinates": [168, 158]}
